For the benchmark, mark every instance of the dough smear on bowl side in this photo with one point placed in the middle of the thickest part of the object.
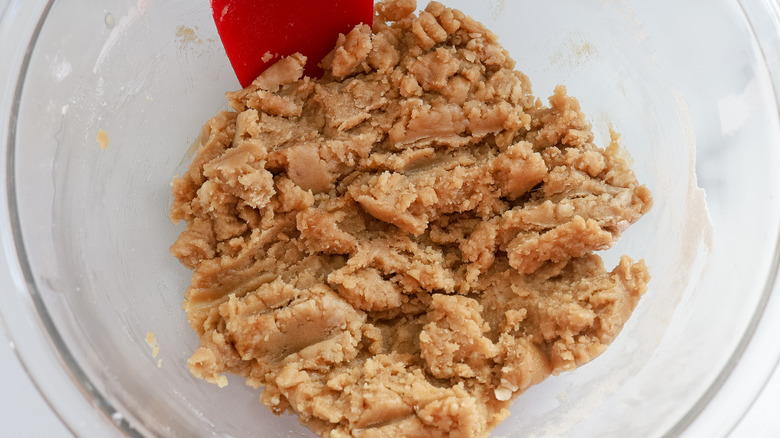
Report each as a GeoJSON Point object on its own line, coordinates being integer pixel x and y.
{"type": "Point", "coordinates": [404, 246]}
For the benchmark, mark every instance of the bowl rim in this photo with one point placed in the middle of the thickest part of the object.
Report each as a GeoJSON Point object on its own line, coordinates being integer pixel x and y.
{"type": "Point", "coordinates": [63, 383]}
{"type": "Point", "coordinates": [69, 391]}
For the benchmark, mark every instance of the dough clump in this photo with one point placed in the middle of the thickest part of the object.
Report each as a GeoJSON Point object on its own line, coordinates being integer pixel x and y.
{"type": "Point", "coordinates": [401, 248]}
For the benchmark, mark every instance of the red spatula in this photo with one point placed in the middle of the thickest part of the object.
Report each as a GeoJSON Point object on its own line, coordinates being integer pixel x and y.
{"type": "Point", "coordinates": [257, 33]}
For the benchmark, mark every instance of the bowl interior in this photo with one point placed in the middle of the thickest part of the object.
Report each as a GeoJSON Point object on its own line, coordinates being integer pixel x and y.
{"type": "Point", "coordinates": [698, 121]}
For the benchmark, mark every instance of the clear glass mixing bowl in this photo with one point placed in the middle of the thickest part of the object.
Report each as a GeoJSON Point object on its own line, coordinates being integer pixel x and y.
{"type": "Point", "coordinates": [690, 85]}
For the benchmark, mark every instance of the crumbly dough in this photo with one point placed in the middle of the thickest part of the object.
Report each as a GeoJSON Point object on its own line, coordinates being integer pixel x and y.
{"type": "Point", "coordinates": [102, 139]}
{"type": "Point", "coordinates": [402, 247]}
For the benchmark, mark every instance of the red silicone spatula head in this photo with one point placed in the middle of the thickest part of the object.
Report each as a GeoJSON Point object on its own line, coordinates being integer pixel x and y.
{"type": "Point", "coordinates": [257, 33]}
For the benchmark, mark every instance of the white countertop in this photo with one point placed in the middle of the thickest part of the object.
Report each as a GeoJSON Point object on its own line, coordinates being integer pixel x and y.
{"type": "Point", "coordinates": [762, 419]}
{"type": "Point", "coordinates": [23, 412]}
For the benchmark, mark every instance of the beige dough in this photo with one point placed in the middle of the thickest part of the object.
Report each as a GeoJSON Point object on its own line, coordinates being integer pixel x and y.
{"type": "Point", "coordinates": [102, 139]}
{"type": "Point", "coordinates": [401, 248]}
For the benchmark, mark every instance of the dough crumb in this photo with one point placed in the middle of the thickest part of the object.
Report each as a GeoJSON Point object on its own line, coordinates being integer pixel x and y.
{"type": "Point", "coordinates": [102, 139]}
{"type": "Point", "coordinates": [151, 341]}
{"type": "Point", "coordinates": [186, 36]}
{"type": "Point", "coordinates": [405, 245]}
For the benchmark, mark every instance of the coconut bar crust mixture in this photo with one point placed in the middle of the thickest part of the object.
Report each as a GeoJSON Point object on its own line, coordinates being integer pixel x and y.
{"type": "Point", "coordinates": [401, 248]}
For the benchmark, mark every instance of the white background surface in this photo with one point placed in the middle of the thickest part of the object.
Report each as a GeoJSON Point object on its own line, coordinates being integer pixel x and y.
{"type": "Point", "coordinates": [23, 412]}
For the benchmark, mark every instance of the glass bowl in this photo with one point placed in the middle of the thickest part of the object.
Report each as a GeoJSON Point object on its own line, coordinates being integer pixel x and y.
{"type": "Point", "coordinates": [691, 86]}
